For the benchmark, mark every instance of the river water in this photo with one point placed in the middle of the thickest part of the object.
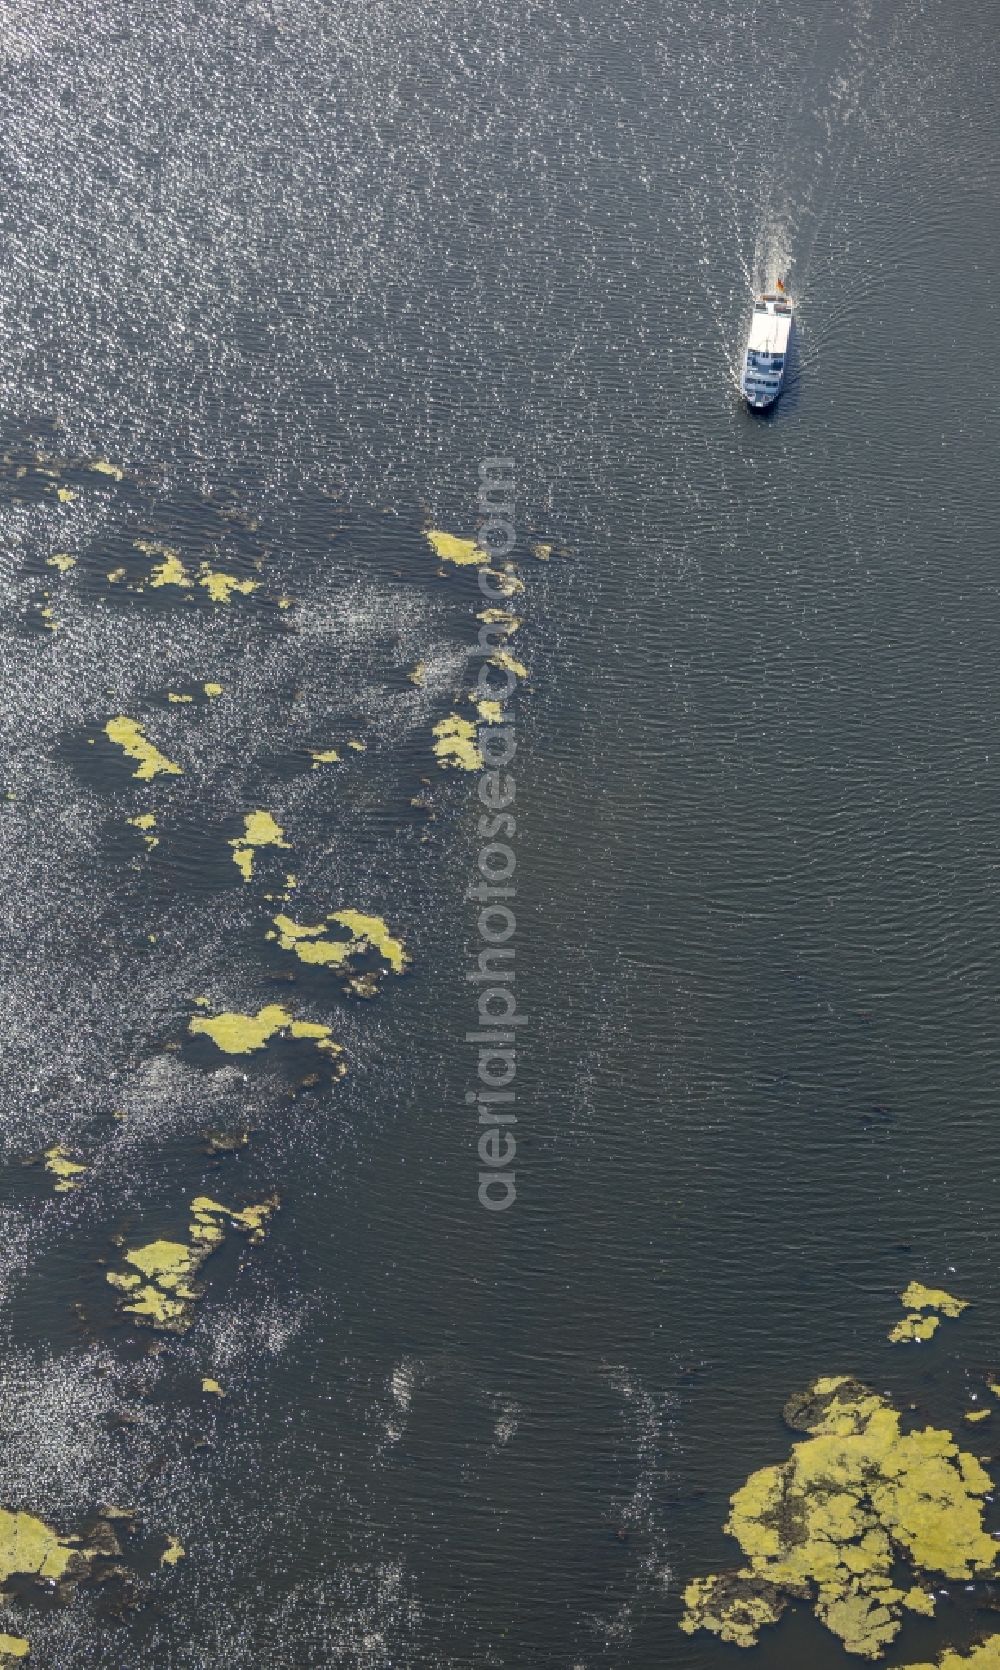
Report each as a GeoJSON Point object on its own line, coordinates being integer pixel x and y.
{"type": "Point", "coordinates": [298, 270]}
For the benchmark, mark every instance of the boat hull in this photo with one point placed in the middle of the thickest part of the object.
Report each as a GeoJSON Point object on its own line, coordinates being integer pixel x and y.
{"type": "Point", "coordinates": [772, 330]}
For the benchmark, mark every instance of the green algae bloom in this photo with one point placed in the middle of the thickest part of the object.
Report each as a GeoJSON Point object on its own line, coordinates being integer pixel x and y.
{"type": "Point", "coordinates": [455, 744]}
{"type": "Point", "coordinates": [146, 822]}
{"type": "Point", "coordinates": [917, 1298]}
{"type": "Point", "coordinates": [211, 1386]}
{"type": "Point", "coordinates": [499, 617]}
{"type": "Point", "coordinates": [259, 830]}
{"type": "Point", "coordinates": [130, 736]}
{"type": "Point", "coordinates": [100, 466]}
{"type": "Point", "coordinates": [323, 756]}
{"type": "Point", "coordinates": [169, 571]}
{"type": "Point", "coordinates": [236, 1034]}
{"type": "Point", "coordinates": [30, 1548]}
{"type": "Point", "coordinates": [985, 1656]}
{"type": "Point", "coordinates": [173, 1552]}
{"type": "Point", "coordinates": [66, 1172]}
{"type": "Point", "coordinates": [222, 587]}
{"type": "Point", "coordinates": [464, 553]}
{"type": "Point", "coordinates": [834, 1523]}
{"type": "Point", "coordinates": [159, 1287]}
{"type": "Point", "coordinates": [212, 689]}
{"type": "Point", "coordinates": [314, 946]}
{"type": "Point", "coordinates": [507, 663]}
{"type": "Point", "coordinates": [61, 560]}
{"type": "Point", "coordinates": [13, 1647]}
{"type": "Point", "coordinates": [508, 584]}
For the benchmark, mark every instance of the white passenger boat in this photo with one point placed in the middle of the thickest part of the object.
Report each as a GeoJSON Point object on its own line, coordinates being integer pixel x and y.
{"type": "Point", "coordinates": [768, 345]}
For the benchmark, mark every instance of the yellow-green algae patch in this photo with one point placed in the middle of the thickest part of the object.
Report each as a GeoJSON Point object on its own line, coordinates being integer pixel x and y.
{"type": "Point", "coordinates": [30, 1548]}
{"type": "Point", "coordinates": [67, 1172]}
{"type": "Point", "coordinates": [834, 1523]}
{"type": "Point", "coordinates": [985, 1656]}
{"type": "Point", "coordinates": [500, 617]}
{"type": "Point", "coordinates": [222, 587]}
{"type": "Point", "coordinates": [61, 560]}
{"type": "Point", "coordinates": [173, 1552]}
{"type": "Point", "coordinates": [159, 1287]}
{"type": "Point", "coordinates": [974, 1416]}
{"type": "Point", "coordinates": [455, 744]}
{"type": "Point", "coordinates": [146, 822]}
{"type": "Point", "coordinates": [313, 945]}
{"type": "Point", "coordinates": [237, 1034]}
{"type": "Point", "coordinates": [323, 756]}
{"type": "Point", "coordinates": [170, 570]}
{"type": "Point", "coordinates": [914, 1326]}
{"type": "Point", "coordinates": [917, 1298]}
{"type": "Point", "coordinates": [178, 696]}
{"type": "Point", "coordinates": [13, 1647]}
{"type": "Point", "coordinates": [212, 689]}
{"type": "Point", "coordinates": [100, 466]}
{"type": "Point", "coordinates": [259, 830]}
{"type": "Point", "coordinates": [503, 659]}
{"type": "Point", "coordinates": [464, 553]}
{"type": "Point", "coordinates": [211, 1386]}
{"type": "Point", "coordinates": [130, 736]}
{"type": "Point", "coordinates": [508, 584]}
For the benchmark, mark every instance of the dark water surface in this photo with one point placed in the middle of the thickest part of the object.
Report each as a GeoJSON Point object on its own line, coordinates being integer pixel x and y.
{"type": "Point", "coordinates": [298, 269]}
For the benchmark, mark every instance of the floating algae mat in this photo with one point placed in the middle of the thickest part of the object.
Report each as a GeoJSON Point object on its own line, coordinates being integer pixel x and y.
{"type": "Point", "coordinates": [12, 1648]}
{"type": "Point", "coordinates": [259, 830]}
{"type": "Point", "coordinates": [925, 1307]}
{"type": "Point", "coordinates": [66, 1171]}
{"type": "Point", "coordinates": [836, 1523]}
{"type": "Point", "coordinates": [464, 553]}
{"type": "Point", "coordinates": [359, 934]}
{"type": "Point", "coordinates": [159, 1287]}
{"type": "Point", "coordinates": [455, 743]}
{"type": "Point", "coordinates": [130, 736]}
{"type": "Point", "coordinates": [237, 1034]}
{"type": "Point", "coordinates": [169, 569]}
{"type": "Point", "coordinates": [984, 1657]}
{"type": "Point", "coordinates": [32, 1551]}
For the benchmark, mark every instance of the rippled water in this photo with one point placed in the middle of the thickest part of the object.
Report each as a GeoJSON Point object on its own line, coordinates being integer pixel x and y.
{"type": "Point", "coordinates": [297, 270]}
